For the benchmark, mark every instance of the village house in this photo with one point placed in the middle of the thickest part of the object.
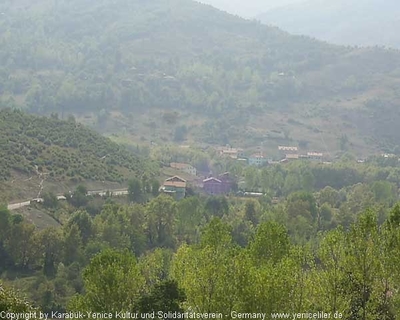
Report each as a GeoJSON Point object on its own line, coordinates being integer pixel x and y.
{"type": "Point", "coordinates": [315, 156]}
{"type": "Point", "coordinates": [233, 153]}
{"type": "Point", "coordinates": [287, 150]}
{"type": "Point", "coordinates": [388, 155]}
{"type": "Point", "coordinates": [216, 186]}
{"type": "Point", "coordinates": [257, 160]}
{"type": "Point", "coordinates": [184, 167]}
{"type": "Point", "coordinates": [213, 186]}
{"type": "Point", "coordinates": [174, 186]}
{"type": "Point", "coordinates": [292, 156]}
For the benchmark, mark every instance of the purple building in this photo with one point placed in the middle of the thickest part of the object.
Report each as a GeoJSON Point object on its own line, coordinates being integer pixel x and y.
{"type": "Point", "coordinates": [216, 186]}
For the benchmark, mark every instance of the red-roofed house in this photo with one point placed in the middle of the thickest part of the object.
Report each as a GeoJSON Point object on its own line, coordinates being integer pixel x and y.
{"type": "Point", "coordinates": [175, 186]}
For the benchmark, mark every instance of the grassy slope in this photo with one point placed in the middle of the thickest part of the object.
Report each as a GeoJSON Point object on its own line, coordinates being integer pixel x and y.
{"type": "Point", "coordinates": [60, 153]}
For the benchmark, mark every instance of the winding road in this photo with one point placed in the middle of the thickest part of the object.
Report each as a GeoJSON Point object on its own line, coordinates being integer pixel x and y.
{"type": "Point", "coordinates": [101, 193]}
{"type": "Point", "coordinates": [16, 206]}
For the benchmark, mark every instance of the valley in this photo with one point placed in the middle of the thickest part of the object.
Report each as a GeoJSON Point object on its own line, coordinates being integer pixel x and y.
{"type": "Point", "coordinates": [166, 156]}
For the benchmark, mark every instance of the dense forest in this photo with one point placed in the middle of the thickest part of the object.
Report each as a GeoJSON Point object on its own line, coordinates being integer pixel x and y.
{"type": "Point", "coordinates": [144, 259]}
{"type": "Point", "coordinates": [132, 56]}
{"type": "Point", "coordinates": [322, 238]}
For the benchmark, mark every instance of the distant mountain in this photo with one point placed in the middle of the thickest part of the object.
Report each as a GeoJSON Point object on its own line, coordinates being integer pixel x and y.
{"type": "Point", "coordinates": [350, 22]}
{"type": "Point", "coordinates": [173, 70]}
{"type": "Point", "coordinates": [247, 9]}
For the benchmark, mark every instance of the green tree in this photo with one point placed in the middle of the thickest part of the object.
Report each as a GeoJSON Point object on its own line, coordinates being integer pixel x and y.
{"type": "Point", "coordinates": [271, 243]}
{"type": "Point", "coordinates": [391, 258]}
{"type": "Point", "coordinates": [21, 245]}
{"type": "Point", "coordinates": [303, 215]}
{"type": "Point", "coordinates": [384, 191]}
{"type": "Point", "coordinates": [331, 277]}
{"type": "Point", "coordinates": [155, 266]}
{"type": "Point", "coordinates": [307, 181]}
{"type": "Point", "coordinates": [251, 211]}
{"type": "Point", "coordinates": [79, 197]}
{"type": "Point", "coordinates": [164, 296]}
{"type": "Point", "coordinates": [217, 206]}
{"type": "Point", "coordinates": [363, 265]}
{"type": "Point", "coordinates": [112, 227]}
{"type": "Point", "coordinates": [135, 192]}
{"type": "Point", "coordinates": [326, 217]}
{"type": "Point", "coordinates": [207, 273]}
{"type": "Point", "coordinates": [10, 302]}
{"type": "Point", "coordinates": [113, 283]}
{"type": "Point", "coordinates": [330, 196]}
{"type": "Point", "coordinates": [51, 245]}
{"type": "Point", "coordinates": [161, 222]}
{"type": "Point", "coordinates": [84, 223]}
{"type": "Point", "coordinates": [292, 183]}
{"type": "Point", "coordinates": [50, 200]}
{"type": "Point", "coordinates": [155, 186]}
{"type": "Point", "coordinates": [180, 133]}
{"type": "Point", "coordinates": [190, 217]}
{"type": "Point", "coordinates": [5, 217]}
{"type": "Point", "coordinates": [73, 244]}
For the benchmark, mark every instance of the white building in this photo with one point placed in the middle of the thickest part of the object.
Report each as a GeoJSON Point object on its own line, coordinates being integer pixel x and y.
{"type": "Point", "coordinates": [184, 167]}
{"type": "Point", "coordinates": [257, 160]}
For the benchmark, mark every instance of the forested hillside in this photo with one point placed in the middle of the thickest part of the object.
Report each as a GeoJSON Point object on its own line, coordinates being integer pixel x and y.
{"type": "Point", "coordinates": [141, 59]}
{"type": "Point", "coordinates": [54, 150]}
{"type": "Point", "coordinates": [357, 22]}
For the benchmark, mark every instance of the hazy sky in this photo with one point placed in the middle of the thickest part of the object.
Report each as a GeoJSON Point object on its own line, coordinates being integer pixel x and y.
{"type": "Point", "coordinates": [247, 8]}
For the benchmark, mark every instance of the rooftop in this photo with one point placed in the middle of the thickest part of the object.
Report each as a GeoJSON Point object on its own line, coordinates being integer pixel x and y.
{"type": "Point", "coordinates": [177, 165]}
{"type": "Point", "coordinates": [257, 156]}
{"type": "Point", "coordinates": [314, 154]}
{"type": "Point", "coordinates": [212, 179]}
{"type": "Point", "coordinates": [175, 181]}
{"type": "Point", "coordinates": [284, 148]}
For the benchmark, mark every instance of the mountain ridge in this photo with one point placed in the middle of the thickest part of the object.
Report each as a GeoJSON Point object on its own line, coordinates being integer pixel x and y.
{"type": "Point", "coordinates": [171, 67]}
{"type": "Point", "coordinates": [363, 23]}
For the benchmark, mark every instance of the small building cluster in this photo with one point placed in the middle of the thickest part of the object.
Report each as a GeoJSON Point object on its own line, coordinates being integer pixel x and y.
{"type": "Point", "coordinates": [292, 153]}
{"type": "Point", "coordinates": [219, 185]}
{"type": "Point", "coordinates": [224, 183]}
{"type": "Point", "coordinates": [233, 153]}
{"type": "Point", "coordinates": [287, 153]}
